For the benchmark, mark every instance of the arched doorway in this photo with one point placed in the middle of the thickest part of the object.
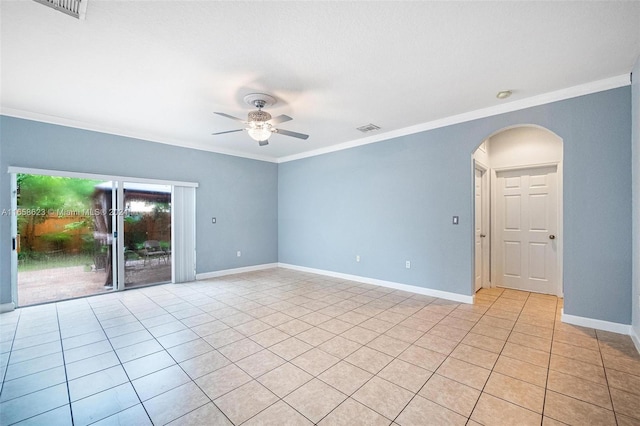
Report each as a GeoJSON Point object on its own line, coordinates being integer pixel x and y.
{"type": "Point", "coordinates": [518, 210]}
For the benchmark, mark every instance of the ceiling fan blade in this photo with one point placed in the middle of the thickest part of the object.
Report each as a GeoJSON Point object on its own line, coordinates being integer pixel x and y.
{"type": "Point", "coordinates": [263, 143]}
{"type": "Point", "coordinates": [280, 119]}
{"type": "Point", "coordinates": [230, 116]}
{"type": "Point", "coordinates": [290, 133]}
{"type": "Point", "coordinates": [228, 131]}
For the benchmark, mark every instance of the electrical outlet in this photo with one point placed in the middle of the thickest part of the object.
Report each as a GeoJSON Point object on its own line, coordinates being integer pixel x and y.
{"type": "Point", "coordinates": [357, 258]}
{"type": "Point", "coordinates": [407, 264]}
{"type": "Point", "coordinates": [238, 253]}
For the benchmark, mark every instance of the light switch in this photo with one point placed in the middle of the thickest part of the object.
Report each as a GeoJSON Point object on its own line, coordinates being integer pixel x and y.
{"type": "Point", "coordinates": [213, 220]}
{"type": "Point", "coordinates": [455, 220]}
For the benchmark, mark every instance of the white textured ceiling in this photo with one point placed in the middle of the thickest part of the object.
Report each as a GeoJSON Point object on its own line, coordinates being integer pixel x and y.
{"type": "Point", "coordinates": [158, 69]}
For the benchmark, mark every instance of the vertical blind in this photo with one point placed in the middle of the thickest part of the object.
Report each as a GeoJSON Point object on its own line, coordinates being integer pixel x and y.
{"type": "Point", "coordinates": [183, 205]}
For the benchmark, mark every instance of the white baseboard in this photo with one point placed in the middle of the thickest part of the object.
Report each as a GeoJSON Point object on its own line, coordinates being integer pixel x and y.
{"type": "Point", "coordinates": [613, 327]}
{"type": "Point", "coordinates": [7, 307]}
{"type": "Point", "coordinates": [635, 338]}
{"type": "Point", "coordinates": [456, 297]}
{"type": "Point", "coordinates": [225, 272]}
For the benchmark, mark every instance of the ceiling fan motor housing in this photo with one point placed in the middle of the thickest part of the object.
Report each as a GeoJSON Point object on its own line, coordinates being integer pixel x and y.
{"type": "Point", "coordinates": [259, 116]}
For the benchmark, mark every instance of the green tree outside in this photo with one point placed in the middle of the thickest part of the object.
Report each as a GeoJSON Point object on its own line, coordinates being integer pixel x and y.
{"type": "Point", "coordinates": [41, 196]}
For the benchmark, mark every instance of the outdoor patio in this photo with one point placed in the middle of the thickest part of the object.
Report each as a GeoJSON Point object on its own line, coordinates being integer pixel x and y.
{"type": "Point", "coordinates": [48, 285]}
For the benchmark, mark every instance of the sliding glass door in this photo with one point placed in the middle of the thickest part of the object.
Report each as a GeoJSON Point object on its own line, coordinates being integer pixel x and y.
{"type": "Point", "coordinates": [146, 233]}
{"type": "Point", "coordinates": [63, 239]}
{"type": "Point", "coordinates": [76, 236]}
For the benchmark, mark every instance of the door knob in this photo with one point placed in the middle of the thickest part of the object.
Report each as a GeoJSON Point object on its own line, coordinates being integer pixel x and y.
{"type": "Point", "coordinates": [552, 237]}
{"type": "Point", "coordinates": [482, 235]}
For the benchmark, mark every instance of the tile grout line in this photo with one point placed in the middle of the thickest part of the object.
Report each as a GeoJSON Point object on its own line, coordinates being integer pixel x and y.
{"type": "Point", "coordinates": [500, 353]}
{"type": "Point", "coordinates": [64, 363]}
{"type": "Point", "coordinates": [280, 399]}
{"type": "Point", "coordinates": [313, 377]}
{"type": "Point", "coordinates": [546, 383]}
{"type": "Point", "coordinates": [343, 359]}
{"type": "Point", "coordinates": [13, 339]}
{"type": "Point", "coordinates": [48, 387]}
{"type": "Point", "coordinates": [438, 366]}
{"type": "Point", "coordinates": [176, 362]}
{"type": "Point", "coordinates": [397, 357]}
{"type": "Point", "coordinates": [120, 364]}
{"type": "Point", "coordinates": [606, 378]}
{"type": "Point", "coordinates": [314, 288]}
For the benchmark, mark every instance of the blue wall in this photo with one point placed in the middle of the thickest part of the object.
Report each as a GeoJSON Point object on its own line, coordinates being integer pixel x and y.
{"type": "Point", "coordinates": [394, 200]}
{"type": "Point", "coordinates": [240, 193]}
{"type": "Point", "coordinates": [387, 202]}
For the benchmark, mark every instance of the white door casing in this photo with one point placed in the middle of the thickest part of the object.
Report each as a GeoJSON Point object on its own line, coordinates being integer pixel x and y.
{"type": "Point", "coordinates": [481, 242]}
{"type": "Point", "coordinates": [527, 229]}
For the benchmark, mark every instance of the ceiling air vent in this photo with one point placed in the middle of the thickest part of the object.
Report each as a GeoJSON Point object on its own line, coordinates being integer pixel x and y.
{"type": "Point", "coordinates": [368, 128]}
{"type": "Point", "coordinates": [75, 8]}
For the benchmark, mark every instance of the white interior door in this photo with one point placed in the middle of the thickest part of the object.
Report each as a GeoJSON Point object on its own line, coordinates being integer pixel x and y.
{"type": "Point", "coordinates": [481, 258]}
{"type": "Point", "coordinates": [526, 229]}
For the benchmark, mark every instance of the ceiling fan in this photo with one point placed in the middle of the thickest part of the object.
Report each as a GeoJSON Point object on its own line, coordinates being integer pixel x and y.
{"type": "Point", "coordinates": [259, 124]}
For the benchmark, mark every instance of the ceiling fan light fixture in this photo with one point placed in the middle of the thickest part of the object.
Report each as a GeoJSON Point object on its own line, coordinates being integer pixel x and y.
{"type": "Point", "coordinates": [259, 132]}
{"type": "Point", "coordinates": [260, 125]}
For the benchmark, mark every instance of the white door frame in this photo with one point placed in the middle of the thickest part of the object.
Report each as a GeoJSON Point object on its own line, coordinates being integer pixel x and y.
{"type": "Point", "coordinates": [14, 240]}
{"type": "Point", "coordinates": [486, 243]}
{"type": "Point", "coordinates": [560, 233]}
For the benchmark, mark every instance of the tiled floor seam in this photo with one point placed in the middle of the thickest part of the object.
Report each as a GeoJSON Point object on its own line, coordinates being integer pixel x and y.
{"type": "Point", "coordinates": [417, 392]}
{"type": "Point", "coordinates": [38, 390]}
{"type": "Point", "coordinates": [240, 294]}
{"type": "Point", "coordinates": [436, 369]}
{"type": "Point", "coordinates": [6, 368]}
{"type": "Point", "coordinates": [500, 354]}
{"type": "Point", "coordinates": [606, 379]}
{"type": "Point", "coordinates": [328, 384]}
{"type": "Point", "coordinates": [64, 363]}
{"type": "Point", "coordinates": [177, 363]}
{"type": "Point", "coordinates": [546, 383]}
{"type": "Point", "coordinates": [604, 371]}
{"type": "Point", "coordinates": [356, 390]}
{"type": "Point", "coordinates": [120, 363]}
{"type": "Point", "coordinates": [485, 383]}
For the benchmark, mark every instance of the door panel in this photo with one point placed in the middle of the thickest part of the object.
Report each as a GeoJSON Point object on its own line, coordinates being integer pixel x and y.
{"type": "Point", "coordinates": [537, 212]}
{"type": "Point", "coordinates": [537, 265]}
{"type": "Point", "coordinates": [527, 217]}
{"type": "Point", "coordinates": [512, 262]}
{"type": "Point", "coordinates": [512, 211]}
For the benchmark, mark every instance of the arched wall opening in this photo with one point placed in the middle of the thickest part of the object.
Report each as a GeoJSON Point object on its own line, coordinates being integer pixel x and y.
{"type": "Point", "coordinates": [517, 192]}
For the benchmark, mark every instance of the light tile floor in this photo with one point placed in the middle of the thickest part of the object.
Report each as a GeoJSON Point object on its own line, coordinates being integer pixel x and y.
{"type": "Point", "coordinates": [285, 347]}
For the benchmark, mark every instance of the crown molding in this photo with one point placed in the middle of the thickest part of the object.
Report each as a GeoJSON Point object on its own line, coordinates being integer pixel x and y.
{"type": "Point", "coordinates": [51, 119]}
{"type": "Point", "coordinates": [545, 98]}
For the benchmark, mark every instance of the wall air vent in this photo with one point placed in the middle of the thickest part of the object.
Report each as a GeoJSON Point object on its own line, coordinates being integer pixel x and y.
{"type": "Point", "coordinates": [368, 128]}
{"type": "Point", "coordinates": [75, 8]}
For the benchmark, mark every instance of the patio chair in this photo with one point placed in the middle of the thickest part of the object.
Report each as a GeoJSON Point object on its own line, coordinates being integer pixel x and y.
{"type": "Point", "coordinates": [151, 249]}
